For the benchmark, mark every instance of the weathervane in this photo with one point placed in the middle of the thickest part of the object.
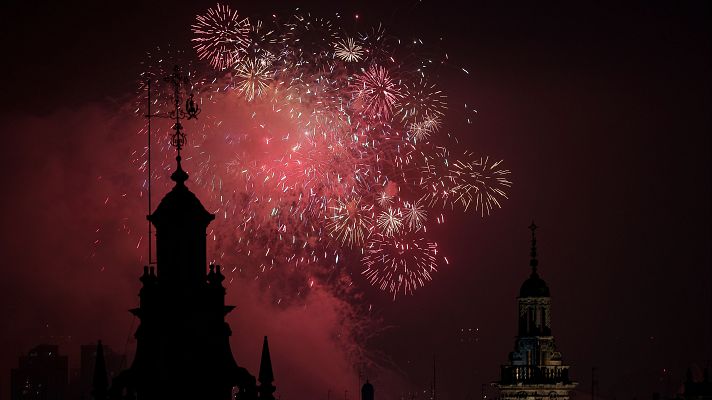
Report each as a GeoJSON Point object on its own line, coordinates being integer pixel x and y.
{"type": "Point", "coordinates": [178, 139]}
{"type": "Point", "coordinates": [191, 111]}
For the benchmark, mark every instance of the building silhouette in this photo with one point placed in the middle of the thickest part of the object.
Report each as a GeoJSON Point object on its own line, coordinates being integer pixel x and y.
{"type": "Point", "coordinates": [697, 389]}
{"type": "Point", "coordinates": [183, 348]}
{"type": "Point", "coordinates": [42, 374]}
{"type": "Point", "coordinates": [100, 380]}
{"type": "Point", "coordinates": [535, 369]}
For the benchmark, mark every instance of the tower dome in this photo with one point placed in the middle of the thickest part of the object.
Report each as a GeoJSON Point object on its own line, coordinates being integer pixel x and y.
{"type": "Point", "coordinates": [534, 287]}
{"type": "Point", "coordinates": [180, 206]}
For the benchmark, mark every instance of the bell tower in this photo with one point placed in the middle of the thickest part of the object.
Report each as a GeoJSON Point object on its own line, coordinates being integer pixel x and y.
{"type": "Point", "coordinates": [535, 369]}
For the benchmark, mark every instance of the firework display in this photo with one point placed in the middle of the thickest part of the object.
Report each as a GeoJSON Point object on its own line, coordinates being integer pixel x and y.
{"type": "Point", "coordinates": [321, 149]}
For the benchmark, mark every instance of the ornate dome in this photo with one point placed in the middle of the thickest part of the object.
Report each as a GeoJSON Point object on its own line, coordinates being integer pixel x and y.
{"type": "Point", "coordinates": [180, 205]}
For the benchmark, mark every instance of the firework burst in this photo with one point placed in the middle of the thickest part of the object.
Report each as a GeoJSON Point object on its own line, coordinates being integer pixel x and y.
{"type": "Point", "coordinates": [390, 221]}
{"type": "Point", "coordinates": [377, 92]}
{"type": "Point", "coordinates": [418, 131]}
{"type": "Point", "coordinates": [384, 199]}
{"type": "Point", "coordinates": [252, 78]}
{"type": "Point", "coordinates": [415, 215]}
{"type": "Point", "coordinates": [421, 101]}
{"type": "Point", "coordinates": [431, 122]}
{"type": "Point", "coordinates": [479, 183]}
{"type": "Point", "coordinates": [221, 36]}
{"type": "Point", "coordinates": [347, 50]}
{"type": "Point", "coordinates": [351, 222]}
{"type": "Point", "coordinates": [399, 265]}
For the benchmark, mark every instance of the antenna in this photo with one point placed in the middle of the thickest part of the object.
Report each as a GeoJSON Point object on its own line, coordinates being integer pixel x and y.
{"type": "Point", "coordinates": [360, 375]}
{"type": "Point", "coordinates": [148, 117]}
{"type": "Point", "coordinates": [434, 387]}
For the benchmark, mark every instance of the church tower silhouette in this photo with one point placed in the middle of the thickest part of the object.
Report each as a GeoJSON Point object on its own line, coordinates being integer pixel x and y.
{"type": "Point", "coordinates": [535, 369]}
{"type": "Point", "coordinates": [183, 348]}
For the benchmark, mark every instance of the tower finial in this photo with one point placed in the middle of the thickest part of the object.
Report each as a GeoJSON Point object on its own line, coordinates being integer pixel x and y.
{"type": "Point", "coordinates": [179, 176]}
{"type": "Point", "coordinates": [533, 262]}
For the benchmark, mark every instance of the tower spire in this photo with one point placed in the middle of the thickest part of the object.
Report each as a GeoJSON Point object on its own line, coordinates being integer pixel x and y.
{"type": "Point", "coordinates": [533, 262]}
{"type": "Point", "coordinates": [266, 376]}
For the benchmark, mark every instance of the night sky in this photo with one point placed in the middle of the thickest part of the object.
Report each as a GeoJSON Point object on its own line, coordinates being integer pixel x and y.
{"type": "Point", "coordinates": [602, 111]}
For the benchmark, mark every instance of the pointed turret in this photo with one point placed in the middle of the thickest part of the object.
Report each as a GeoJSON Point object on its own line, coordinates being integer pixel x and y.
{"type": "Point", "coordinates": [266, 376]}
{"type": "Point", "coordinates": [100, 384]}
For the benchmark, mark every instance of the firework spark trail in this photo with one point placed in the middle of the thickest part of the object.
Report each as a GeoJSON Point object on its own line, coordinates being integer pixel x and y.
{"type": "Point", "coordinates": [318, 149]}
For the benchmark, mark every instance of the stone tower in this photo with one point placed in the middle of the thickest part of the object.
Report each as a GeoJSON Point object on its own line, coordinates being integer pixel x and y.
{"type": "Point", "coordinates": [535, 369]}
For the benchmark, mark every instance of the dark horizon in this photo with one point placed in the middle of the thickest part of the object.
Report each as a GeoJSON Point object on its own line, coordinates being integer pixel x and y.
{"type": "Point", "coordinates": [601, 111]}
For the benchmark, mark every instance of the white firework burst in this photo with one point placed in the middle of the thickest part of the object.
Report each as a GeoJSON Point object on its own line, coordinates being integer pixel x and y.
{"type": "Point", "coordinates": [415, 215]}
{"type": "Point", "coordinates": [418, 132]}
{"type": "Point", "coordinates": [252, 78]}
{"type": "Point", "coordinates": [384, 199]}
{"type": "Point", "coordinates": [348, 50]}
{"type": "Point", "coordinates": [390, 221]}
